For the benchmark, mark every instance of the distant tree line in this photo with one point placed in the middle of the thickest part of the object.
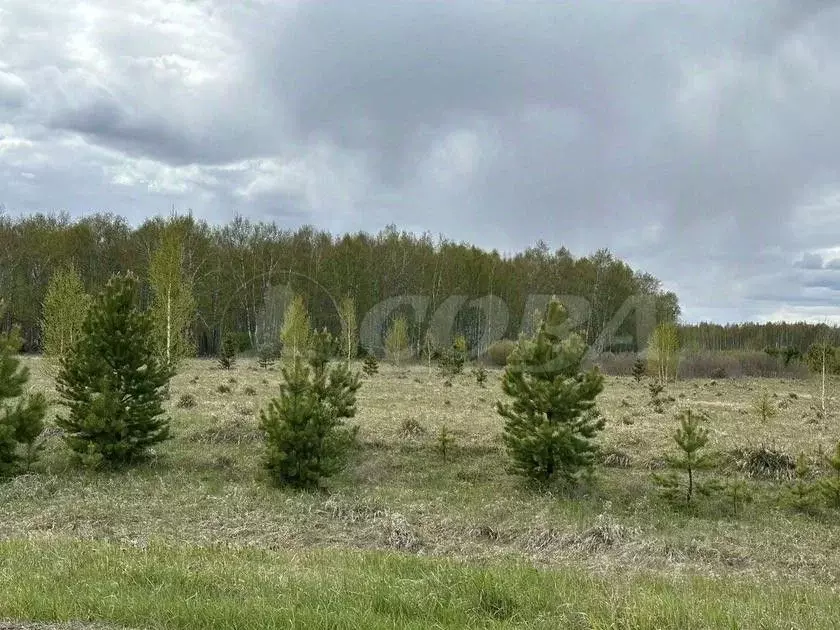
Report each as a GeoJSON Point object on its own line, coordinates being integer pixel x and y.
{"type": "Point", "coordinates": [795, 338]}
{"type": "Point", "coordinates": [231, 271]}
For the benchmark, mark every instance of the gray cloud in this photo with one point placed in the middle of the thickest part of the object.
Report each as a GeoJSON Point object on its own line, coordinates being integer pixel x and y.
{"type": "Point", "coordinates": [696, 140]}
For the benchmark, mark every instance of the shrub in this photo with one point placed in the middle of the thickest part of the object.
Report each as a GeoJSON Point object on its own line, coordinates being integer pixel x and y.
{"type": "Point", "coordinates": [550, 424]}
{"type": "Point", "coordinates": [224, 389]}
{"type": "Point", "coordinates": [411, 428]}
{"type": "Point", "coordinates": [370, 365]}
{"type": "Point", "coordinates": [499, 352]}
{"type": "Point", "coordinates": [23, 422]}
{"type": "Point", "coordinates": [764, 463]}
{"type": "Point", "coordinates": [186, 401]}
{"type": "Point", "coordinates": [113, 381]}
{"type": "Point", "coordinates": [249, 391]}
{"type": "Point", "coordinates": [306, 439]}
{"type": "Point", "coordinates": [480, 374]}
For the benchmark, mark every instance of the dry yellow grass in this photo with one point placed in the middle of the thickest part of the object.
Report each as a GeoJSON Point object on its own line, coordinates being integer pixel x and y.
{"type": "Point", "coordinates": [206, 488]}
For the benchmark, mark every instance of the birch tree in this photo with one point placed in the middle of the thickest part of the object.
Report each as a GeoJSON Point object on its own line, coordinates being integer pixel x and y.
{"type": "Point", "coordinates": [173, 306]}
{"type": "Point", "coordinates": [663, 351]}
{"type": "Point", "coordinates": [296, 330]}
{"type": "Point", "coordinates": [349, 343]}
{"type": "Point", "coordinates": [65, 307]}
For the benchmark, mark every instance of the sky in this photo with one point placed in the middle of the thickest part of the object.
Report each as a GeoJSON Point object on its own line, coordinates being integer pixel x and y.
{"type": "Point", "coordinates": [697, 141]}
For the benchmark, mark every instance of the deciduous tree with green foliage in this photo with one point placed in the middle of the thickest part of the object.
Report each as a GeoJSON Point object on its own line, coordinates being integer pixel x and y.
{"type": "Point", "coordinates": [65, 306]}
{"type": "Point", "coordinates": [663, 352]}
{"type": "Point", "coordinates": [396, 341]}
{"type": "Point", "coordinates": [552, 420]}
{"type": "Point", "coordinates": [22, 418]}
{"type": "Point", "coordinates": [173, 306]}
{"type": "Point", "coordinates": [113, 380]}
{"type": "Point", "coordinates": [297, 330]}
{"type": "Point", "coordinates": [306, 438]}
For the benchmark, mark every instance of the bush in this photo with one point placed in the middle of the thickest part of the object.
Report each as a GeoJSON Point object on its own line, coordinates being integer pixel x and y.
{"type": "Point", "coordinates": [370, 365]}
{"type": "Point", "coordinates": [480, 374]}
{"type": "Point", "coordinates": [764, 463]}
{"type": "Point", "coordinates": [186, 401]}
{"type": "Point", "coordinates": [499, 352]}
{"type": "Point", "coordinates": [113, 381]}
{"type": "Point", "coordinates": [306, 439]}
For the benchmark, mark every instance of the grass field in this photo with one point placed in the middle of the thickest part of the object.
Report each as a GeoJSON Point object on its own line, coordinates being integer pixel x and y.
{"type": "Point", "coordinates": [196, 537]}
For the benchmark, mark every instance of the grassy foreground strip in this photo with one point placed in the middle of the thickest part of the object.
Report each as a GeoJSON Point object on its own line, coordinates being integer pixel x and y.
{"type": "Point", "coordinates": [189, 587]}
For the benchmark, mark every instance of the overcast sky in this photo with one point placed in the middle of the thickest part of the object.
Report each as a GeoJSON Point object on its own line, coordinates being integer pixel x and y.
{"type": "Point", "coordinates": [697, 140]}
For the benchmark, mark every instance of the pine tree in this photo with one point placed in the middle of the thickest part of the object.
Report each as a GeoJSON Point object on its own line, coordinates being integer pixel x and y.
{"type": "Point", "coordinates": [452, 359]}
{"type": "Point", "coordinates": [655, 388]}
{"type": "Point", "coordinates": [830, 486]}
{"type": "Point", "coordinates": [396, 341]}
{"type": "Point", "coordinates": [65, 306]}
{"type": "Point", "coordinates": [267, 355]}
{"type": "Point", "coordinates": [444, 441]}
{"type": "Point", "coordinates": [113, 380]}
{"type": "Point", "coordinates": [550, 425]}
{"type": "Point", "coordinates": [296, 330]}
{"type": "Point", "coordinates": [22, 422]}
{"type": "Point", "coordinates": [738, 492]}
{"type": "Point", "coordinates": [764, 408]}
{"type": "Point", "coordinates": [800, 494]}
{"type": "Point", "coordinates": [349, 343]}
{"type": "Point", "coordinates": [322, 348]}
{"type": "Point", "coordinates": [639, 370]}
{"type": "Point", "coordinates": [691, 437]}
{"type": "Point", "coordinates": [173, 307]}
{"type": "Point", "coordinates": [370, 365]}
{"type": "Point", "coordinates": [306, 439]}
{"type": "Point", "coordinates": [228, 351]}
{"type": "Point", "coordinates": [480, 373]}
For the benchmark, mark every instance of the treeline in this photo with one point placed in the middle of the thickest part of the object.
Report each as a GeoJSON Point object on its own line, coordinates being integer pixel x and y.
{"type": "Point", "coordinates": [771, 336]}
{"type": "Point", "coordinates": [232, 267]}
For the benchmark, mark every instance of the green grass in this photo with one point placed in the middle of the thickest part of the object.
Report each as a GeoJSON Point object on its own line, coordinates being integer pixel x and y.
{"type": "Point", "coordinates": [165, 587]}
{"type": "Point", "coordinates": [196, 536]}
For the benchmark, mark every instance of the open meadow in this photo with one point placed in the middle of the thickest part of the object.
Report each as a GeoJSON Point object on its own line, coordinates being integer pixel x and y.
{"type": "Point", "coordinates": [196, 537]}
